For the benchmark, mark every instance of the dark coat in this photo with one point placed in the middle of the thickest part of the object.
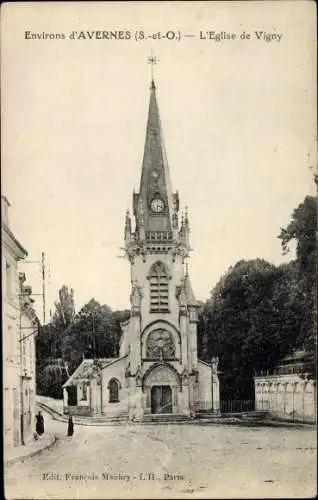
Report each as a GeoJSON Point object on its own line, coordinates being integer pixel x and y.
{"type": "Point", "coordinates": [70, 427]}
{"type": "Point", "coordinates": [39, 427]}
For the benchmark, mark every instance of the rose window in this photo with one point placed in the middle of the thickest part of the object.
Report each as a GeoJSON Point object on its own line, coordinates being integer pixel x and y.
{"type": "Point", "coordinates": [160, 345]}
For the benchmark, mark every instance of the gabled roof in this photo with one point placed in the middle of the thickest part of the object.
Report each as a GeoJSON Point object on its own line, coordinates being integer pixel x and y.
{"type": "Point", "coordinates": [83, 371]}
{"type": "Point", "coordinates": [89, 368]}
{"type": "Point", "coordinates": [200, 361]}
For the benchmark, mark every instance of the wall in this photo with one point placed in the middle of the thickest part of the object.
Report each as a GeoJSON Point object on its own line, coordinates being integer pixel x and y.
{"type": "Point", "coordinates": [205, 386]}
{"type": "Point", "coordinates": [27, 346]}
{"type": "Point", "coordinates": [115, 370]}
{"type": "Point", "coordinates": [287, 396]}
{"type": "Point", "coordinates": [11, 349]}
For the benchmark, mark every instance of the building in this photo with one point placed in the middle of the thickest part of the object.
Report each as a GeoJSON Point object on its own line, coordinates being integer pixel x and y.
{"type": "Point", "coordinates": [158, 370]}
{"type": "Point", "coordinates": [12, 252]}
{"type": "Point", "coordinates": [29, 326]}
{"type": "Point", "coordinates": [18, 363]}
{"type": "Point", "coordinates": [287, 393]}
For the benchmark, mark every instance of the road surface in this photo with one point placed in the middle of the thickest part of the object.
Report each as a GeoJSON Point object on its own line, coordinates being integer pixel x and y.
{"type": "Point", "coordinates": [175, 461]}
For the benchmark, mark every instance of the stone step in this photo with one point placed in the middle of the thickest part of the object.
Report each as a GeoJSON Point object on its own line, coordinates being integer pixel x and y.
{"type": "Point", "coordinates": [109, 418]}
{"type": "Point", "coordinates": [254, 414]}
{"type": "Point", "coordinates": [168, 417]}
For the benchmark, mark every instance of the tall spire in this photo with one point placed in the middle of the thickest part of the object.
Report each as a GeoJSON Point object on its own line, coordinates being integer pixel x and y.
{"type": "Point", "coordinates": [127, 228]}
{"type": "Point", "coordinates": [155, 185]}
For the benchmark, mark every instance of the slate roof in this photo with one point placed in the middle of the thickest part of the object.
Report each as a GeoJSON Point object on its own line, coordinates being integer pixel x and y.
{"type": "Point", "coordinates": [155, 174]}
{"type": "Point", "coordinates": [189, 291]}
{"type": "Point", "coordinates": [88, 369]}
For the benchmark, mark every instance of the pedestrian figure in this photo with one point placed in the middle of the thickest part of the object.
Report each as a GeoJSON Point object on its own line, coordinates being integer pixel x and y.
{"type": "Point", "coordinates": [39, 424]}
{"type": "Point", "coordinates": [70, 427]}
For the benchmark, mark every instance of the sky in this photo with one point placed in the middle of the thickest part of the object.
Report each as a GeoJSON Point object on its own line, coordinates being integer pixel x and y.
{"type": "Point", "coordinates": [238, 121]}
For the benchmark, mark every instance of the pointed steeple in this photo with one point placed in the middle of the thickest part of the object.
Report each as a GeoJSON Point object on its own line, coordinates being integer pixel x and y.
{"type": "Point", "coordinates": [155, 185]}
{"type": "Point", "coordinates": [191, 300]}
{"type": "Point", "coordinates": [127, 228]}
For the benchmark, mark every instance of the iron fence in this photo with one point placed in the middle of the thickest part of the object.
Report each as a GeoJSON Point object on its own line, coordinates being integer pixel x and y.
{"type": "Point", "coordinates": [227, 406]}
{"type": "Point", "coordinates": [237, 406]}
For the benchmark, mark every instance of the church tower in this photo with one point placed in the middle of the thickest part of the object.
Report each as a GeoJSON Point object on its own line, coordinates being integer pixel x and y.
{"type": "Point", "coordinates": [163, 373]}
{"type": "Point", "coordinates": [157, 374]}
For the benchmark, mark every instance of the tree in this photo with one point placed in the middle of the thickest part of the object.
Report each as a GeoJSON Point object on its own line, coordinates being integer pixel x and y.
{"type": "Point", "coordinates": [64, 308]}
{"type": "Point", "coordinates": [50, 378]}
{"type": "Point", "coordinates": [251, 320]}
{"type": "Point", "coordinates": [94, 333]}
{"type": "Point", "coordinates": [50, 338]}
{"type": "Point", "coordinates": [303, 229]}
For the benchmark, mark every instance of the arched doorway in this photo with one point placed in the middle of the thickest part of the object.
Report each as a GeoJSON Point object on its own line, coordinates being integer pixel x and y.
{"type": "Point", "coordinates": [161, 399]}
{"type": "Point", "coordinates": [161, 386]}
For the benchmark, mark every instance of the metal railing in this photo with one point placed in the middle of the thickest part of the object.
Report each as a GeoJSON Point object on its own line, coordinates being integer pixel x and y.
{"type": "Point", "coordinates": [237, 406]}
{"type": "Point", "coordinates": [226, 406]}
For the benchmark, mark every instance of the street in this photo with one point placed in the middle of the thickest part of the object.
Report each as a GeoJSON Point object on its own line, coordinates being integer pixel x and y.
{"type": "Point", "coordinates": [147, 461]}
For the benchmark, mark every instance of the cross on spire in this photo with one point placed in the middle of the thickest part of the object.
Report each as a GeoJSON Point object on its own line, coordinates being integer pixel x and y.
{"type": "Point", "coordinates": [152, 60]}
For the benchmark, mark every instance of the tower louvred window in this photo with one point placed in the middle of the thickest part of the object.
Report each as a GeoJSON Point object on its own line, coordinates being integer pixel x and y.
{"type": "Point", "coordinates": [159, 288]}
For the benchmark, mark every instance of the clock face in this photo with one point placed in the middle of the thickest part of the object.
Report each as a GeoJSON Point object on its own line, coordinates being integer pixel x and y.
{"type": "Point", "coordinates": [157, 205]}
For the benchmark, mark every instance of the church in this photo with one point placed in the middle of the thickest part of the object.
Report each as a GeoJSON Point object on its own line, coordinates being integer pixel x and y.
{"type": "Point", "coordinates": [158, 371]}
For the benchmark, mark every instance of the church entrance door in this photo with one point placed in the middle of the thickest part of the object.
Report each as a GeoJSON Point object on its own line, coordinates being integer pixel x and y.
{"type": "Point", "coordinates": [161, 399]}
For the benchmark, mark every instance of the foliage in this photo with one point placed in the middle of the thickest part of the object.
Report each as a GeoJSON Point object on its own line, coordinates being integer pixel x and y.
{"type": "Point", "coordinates": [257, 313]}
{"type": "Point", "coordinates": [94, 333]}
{"type": "Point", "coordinates": [61, 345]}
{"type": "Point", "coordinates": [303, 229]}
{"type": "Point", "coordinates": [64, 308]}
{"type": "Point", "coordinates": [250, 321]}
{"type": "Point", "coordinates": [50, 377]}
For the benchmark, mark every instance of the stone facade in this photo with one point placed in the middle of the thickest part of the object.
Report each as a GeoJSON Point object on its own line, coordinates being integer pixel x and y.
{"type": "Point", "coordinates": [29, 330]}
{"type": "Point", "coordinates": [158, 371]}
{"type": "Point", "coordinates": [94, 391]}
{"type": "Point", "coordinates": [12, 252]}
{"type": "Point", "coordinates": [287, 393]}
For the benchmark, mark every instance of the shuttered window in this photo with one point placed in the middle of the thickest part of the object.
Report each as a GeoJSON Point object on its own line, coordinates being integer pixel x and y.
{"type": "Point", "coordinates": [159, 288]}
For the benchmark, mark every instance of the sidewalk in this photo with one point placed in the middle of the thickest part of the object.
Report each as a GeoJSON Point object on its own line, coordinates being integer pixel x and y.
{"type": "Point", "coordinates": [53, 408]}
{"type": "Point", "coordinates": [32, 447]}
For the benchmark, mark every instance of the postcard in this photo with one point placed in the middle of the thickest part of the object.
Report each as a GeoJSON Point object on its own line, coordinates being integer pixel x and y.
{"type": "Point", "coordinates": [159, 219]}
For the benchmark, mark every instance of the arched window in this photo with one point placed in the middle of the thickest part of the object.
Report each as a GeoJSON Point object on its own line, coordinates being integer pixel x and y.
{"type": "Point", "coordinates": [84, 391]}
{"type": "Point", "coordinates": [159, 288]}
{"type": "Point", "coordinates": [113, 387]}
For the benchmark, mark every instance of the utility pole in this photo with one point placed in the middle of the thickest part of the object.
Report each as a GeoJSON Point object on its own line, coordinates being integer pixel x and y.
{"type": "Point", "coordinates": [43, 278]}
{"type": "Point", "coordinates": [43, 285]}
{"type": "Point", "coordinates": [94, 347]}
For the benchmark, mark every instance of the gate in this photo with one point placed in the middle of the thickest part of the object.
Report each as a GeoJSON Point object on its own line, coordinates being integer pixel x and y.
{"type": "Point", "coordinates": [237, 406]}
